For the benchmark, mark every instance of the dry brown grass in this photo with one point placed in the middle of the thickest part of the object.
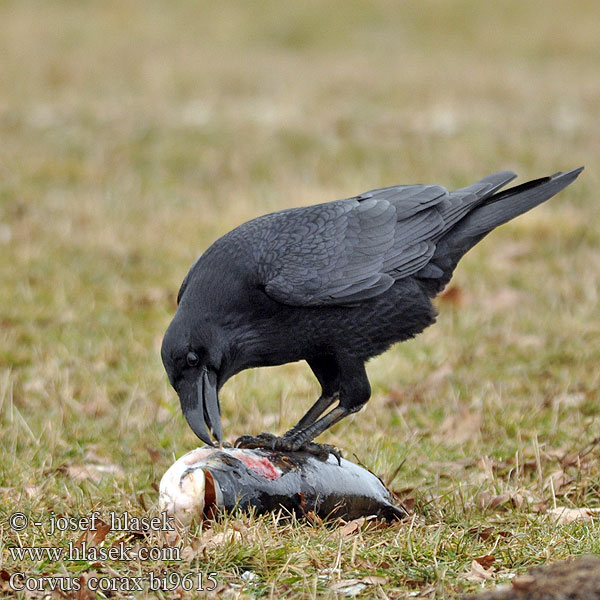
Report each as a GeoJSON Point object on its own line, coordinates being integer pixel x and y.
{"type": "Point", "coordinates": [135, 133]}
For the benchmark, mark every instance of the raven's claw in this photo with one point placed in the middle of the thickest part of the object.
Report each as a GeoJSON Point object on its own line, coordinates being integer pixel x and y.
{"type": "Point", "coordinates": [287, 444]}
{"type": "Point", "coordinates": [322, 451]}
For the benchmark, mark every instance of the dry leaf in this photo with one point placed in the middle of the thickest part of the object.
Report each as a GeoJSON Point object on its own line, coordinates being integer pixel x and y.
{"type": "Point", "coordinates": [565, 515]}
{"type": "Point", "coordinates": [222, 538]}
{"type": "Point", "coordinates": [521, 497]}
{"type": "Point", "coordinates": [479, 573]}
{"type": "Point", "coordinates": [314, 518]}
{"type": "Point", "coordinates": [570, 460]}
{"type": "Point", "coordinates": [353, 587]}
{"type": "Point", "coordinates": [557, 481]}
{"type": "Point", "coordinates": [518, 498]}
{"type": "Point", "coordinates": [197, 547]}
{"type": "Point", "coordinates": [453, 295]}
{"type": "Point", "coordinates": [486, 561]}
{"type": "Point", "coordinates": [188, 554]}
{"type": "Point", "coordinates": [348, 587]}
{"type": "Point", "coordinates": [487, 501]}
{"type": "Point", "coordinates": [239, 526]}
{"type": "Point", "coordinates": [487, 532]}
{"type": "Point", "coordinates": [93, 537]}
{"type": "Point", "coordinates": [93, 472]}
{"type": "Point", "coordinates": [350, 527]}
{"type": "Point", "coordinates": [408, 504]}
{"type": "Point", "coordinates": [374, 580]}
{"type": "Point", "coordinates": [482, 534]}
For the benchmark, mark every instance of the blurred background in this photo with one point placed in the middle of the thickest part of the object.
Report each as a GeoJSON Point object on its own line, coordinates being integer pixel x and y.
{"type": "Point", "coordinates": [133, 134]}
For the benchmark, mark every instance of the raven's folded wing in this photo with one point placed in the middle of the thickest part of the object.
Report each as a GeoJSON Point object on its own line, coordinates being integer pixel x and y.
{"type": "Point", "coordinates": [351, 250]}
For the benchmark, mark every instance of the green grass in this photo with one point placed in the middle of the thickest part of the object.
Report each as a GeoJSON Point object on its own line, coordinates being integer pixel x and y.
{"type": "Point", "coordinates": [135, 133]}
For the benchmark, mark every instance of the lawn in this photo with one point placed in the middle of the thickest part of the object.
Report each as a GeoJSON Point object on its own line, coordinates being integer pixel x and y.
{"type": "Point", "coordinates": [133, 134]}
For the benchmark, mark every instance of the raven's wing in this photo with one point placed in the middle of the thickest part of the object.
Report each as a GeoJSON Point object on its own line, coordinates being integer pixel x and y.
{"type": "Point", "coordinates": [351, 250]}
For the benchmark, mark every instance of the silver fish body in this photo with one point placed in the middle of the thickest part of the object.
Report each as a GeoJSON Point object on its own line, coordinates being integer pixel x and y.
{"type": "Point", "coordinates": [209, 479]}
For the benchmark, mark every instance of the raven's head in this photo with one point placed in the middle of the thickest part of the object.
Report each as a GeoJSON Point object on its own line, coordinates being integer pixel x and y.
{"type": "Point", "coordinates": [192, 358]}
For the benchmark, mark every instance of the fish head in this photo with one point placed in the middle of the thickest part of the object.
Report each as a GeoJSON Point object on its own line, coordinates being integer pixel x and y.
{"type": "Point", "coordinates": [187, 489]}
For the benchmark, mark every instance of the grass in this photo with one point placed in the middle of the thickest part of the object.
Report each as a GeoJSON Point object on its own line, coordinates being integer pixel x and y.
{"type": "Point", "coordinates": [133, 134]}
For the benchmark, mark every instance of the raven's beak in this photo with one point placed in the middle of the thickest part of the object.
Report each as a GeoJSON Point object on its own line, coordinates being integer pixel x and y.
{"type": "Point", "coordinates": [200, 406]}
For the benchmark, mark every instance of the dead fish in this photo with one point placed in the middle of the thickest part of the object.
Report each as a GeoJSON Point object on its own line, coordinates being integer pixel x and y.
{"type": "Point", "coordinates": [209, 479]}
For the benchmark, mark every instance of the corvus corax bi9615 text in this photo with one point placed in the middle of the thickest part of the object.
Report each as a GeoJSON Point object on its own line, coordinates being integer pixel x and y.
{"type": "Point", "coordinates": [332, 284]}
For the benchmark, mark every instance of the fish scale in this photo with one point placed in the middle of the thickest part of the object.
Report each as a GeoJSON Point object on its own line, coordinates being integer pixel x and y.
{"type": "Point", "coordinates": [209, 479]}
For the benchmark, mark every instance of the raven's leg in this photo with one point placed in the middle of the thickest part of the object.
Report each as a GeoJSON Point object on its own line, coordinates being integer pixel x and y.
{"type": "Point", "coordinates": [354, 393]}
{"type": "Point", "coordinates": [327, 372]}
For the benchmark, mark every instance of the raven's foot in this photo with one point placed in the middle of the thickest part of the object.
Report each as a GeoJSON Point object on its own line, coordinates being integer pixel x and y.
{"type": "Point", "coordinates": [262, 440]}
{"type": "Point", "coordinates": [287, 444]}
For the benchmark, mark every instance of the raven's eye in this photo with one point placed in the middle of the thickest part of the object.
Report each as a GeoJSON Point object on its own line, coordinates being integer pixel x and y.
{"type": "Point", "coordinates": [192, 359]}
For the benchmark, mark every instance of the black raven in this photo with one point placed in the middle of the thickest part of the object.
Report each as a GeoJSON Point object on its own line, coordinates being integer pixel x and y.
{"type": "Point", "coordinates": [333, 284]}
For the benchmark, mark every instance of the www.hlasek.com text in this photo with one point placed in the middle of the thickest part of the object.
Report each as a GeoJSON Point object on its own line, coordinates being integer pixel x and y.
{"type": "Point", "coordinates": [82, 551]}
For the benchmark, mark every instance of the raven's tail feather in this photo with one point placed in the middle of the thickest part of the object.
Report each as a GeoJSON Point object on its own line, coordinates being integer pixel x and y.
{"type": "Point", "coordinates": [504, 206]}
{"type": "Point", "coordinates": [496, 210]}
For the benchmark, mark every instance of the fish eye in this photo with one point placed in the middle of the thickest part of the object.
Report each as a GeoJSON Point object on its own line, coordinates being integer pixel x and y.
{"type": "Point", "coordinates": [192, 359]}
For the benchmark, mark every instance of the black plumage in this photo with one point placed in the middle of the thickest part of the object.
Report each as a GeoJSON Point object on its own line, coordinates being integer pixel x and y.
{"type": "Point", "coordinates": [333, 284]}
